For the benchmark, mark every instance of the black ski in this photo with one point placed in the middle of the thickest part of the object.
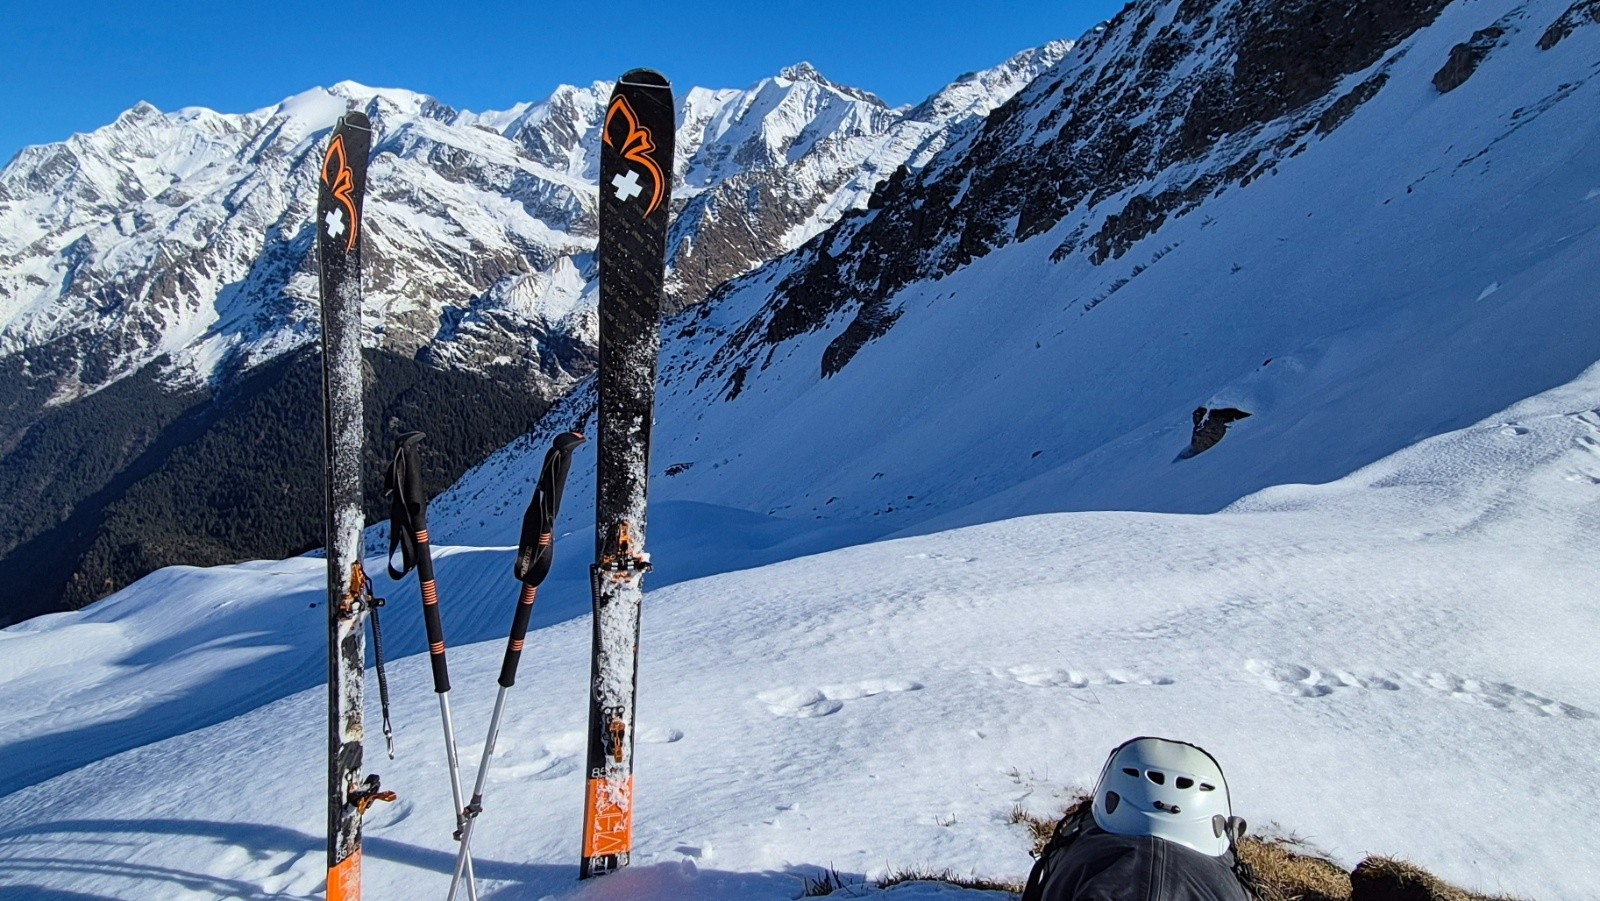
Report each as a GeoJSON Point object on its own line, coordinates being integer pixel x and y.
{"type": "Point", "coordinates": [635, 189]}
{"type": "Point", "coordinates": [339, 232]}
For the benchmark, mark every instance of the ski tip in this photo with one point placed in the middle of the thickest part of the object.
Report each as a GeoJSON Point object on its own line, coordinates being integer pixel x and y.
{"type": "Point", "coordinates": [407, 439]}
{"type": "Point", "coordinates": [356, 119]}
{"type": "Point", "coordinates": [567, 441]}
{"type": "Point", "coordinates": [646, 78]}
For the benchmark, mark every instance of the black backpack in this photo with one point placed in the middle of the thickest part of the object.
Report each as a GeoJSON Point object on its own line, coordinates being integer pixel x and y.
{"type": "Point", "coordinates": [1170, 871]}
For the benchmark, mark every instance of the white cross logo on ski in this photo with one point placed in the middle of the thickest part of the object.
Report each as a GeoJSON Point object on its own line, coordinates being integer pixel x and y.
{"type": "Point", "coordinates": [335, 222]}
{"type": "Point", "coordinates": [627, 186]}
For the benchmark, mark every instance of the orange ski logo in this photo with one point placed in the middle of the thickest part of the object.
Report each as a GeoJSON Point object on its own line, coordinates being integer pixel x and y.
{"type": "Point", "coordinates": [341, 182]}
{"type": "Point", "coordinates": [608, 826]}
{"type": "Point", "coordinates": [636, 147]}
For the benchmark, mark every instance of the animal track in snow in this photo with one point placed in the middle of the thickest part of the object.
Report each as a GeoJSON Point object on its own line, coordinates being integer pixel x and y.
{"type": "Point", "coordinates": [806, 703]}
{"type": "Point", "coordinates": [1499, 695]}
{"type": "Point", "coordinates": [1048, 677]}
{"type": "Point", "coordinates": [1309, 682]}
{"type": "Point", "coordinates": [1305, 682]}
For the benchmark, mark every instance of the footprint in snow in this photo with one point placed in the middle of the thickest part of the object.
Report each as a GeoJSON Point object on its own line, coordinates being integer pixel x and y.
{"type": "Point", "coordinates": [941, 558]}
{"type": "Point", "coordinates": [1300, 681]}
{"type": "Point", "coordinates": [659, 735]}
{"type": "Point", "coordinates": [1049, 677]}
{"type": "Point", "coordinates": [1588, 470]}
{"type": "Point", "coordinates": [543, 765]}
{"type": "Point", "coordinates": [807, 703]}
{"type": "Point", "coordinates": [1498, 695]}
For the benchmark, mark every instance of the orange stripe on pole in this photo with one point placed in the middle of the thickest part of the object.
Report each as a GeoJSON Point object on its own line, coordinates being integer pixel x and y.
{"type": "Point", "coordinates": [422, 536]}
{"type": "Point", "coordinates": [436, 648]}
{"type": "Point", "coordinates": [516, 646]}
{"type": "Point", "coordinates": [529, 592]}
{"type": "Point", "coordinates": [430, 592]}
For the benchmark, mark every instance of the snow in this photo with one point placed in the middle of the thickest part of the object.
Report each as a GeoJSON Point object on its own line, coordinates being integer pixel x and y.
{"type": "Point", "coordinates": [1357, 654]}
{"type": "Point", "coordinates": [875, 629]}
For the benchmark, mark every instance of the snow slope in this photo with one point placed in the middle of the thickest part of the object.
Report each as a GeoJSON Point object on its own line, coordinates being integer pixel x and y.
{"type": "Point", "coordinates": [1384, 664]}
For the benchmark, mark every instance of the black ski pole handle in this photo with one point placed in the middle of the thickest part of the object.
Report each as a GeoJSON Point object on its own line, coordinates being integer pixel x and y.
{"type": "Point", "coordinates": [536, 549]}
{"type": "Point", "coordinates": [408, 530]}
{"type": "Point", "coordinates": [430, 613]}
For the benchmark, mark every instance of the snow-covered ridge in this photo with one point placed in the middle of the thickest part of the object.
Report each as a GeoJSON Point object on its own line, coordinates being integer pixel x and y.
{"type": "Point", "coordinates": [185, 234]}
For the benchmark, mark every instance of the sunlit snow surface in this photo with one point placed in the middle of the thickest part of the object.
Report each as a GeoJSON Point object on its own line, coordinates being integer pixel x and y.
{"type": "Point", "coordinates": [1391, 663]}
{"type": "Point", "coordinates": [1398, 659]}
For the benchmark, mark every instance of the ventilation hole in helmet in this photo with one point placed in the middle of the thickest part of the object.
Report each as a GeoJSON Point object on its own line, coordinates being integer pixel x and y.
{"type": "Point", "coordinates": [1184, 782]}
{"type": "Point", "coordinates": [1156, 776]}
{"type": "Point", "coordinates": [1112, 800]}
{"type": "Point", "coordinates": [1131, 771]}
{"type": "Point", "coordinates": [1207, 787]}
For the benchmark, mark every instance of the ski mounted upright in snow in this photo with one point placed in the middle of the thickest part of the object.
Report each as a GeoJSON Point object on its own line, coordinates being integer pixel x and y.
{"type": "Point", "coordinates": [350, 600]}
{"type": "Point", "coordinates": [635, 191]}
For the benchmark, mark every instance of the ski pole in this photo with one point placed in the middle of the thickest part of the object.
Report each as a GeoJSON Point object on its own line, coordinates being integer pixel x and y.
{"type": "Point", "coordinates": [534, 554]}
{"type": "Point", "coordinates": [408, 530]}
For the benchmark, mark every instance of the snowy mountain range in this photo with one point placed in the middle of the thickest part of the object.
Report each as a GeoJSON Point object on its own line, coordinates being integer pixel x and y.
{"type": "Point", "coordinates": [885, 612]}
{"type": "Point", "coordinates": [186, 234]}
{"type": "Point", "coordinates": [170, 254]}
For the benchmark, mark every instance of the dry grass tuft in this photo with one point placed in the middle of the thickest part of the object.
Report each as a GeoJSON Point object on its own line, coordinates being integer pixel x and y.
{"type": "Point", "coordinates": [948, 877]}
{"type": "Point", "coordinates": [1289, 871]}
{"type": "Point", "coordinates": [1388, 879]}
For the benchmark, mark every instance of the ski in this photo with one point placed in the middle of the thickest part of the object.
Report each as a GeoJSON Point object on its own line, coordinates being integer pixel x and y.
{"type": "Point", "coordinates": [535, 553]}
{"type": "Point", "coordinates": [339, 231]}
{"type": "Point", "coordinates": [635, 190]}
{"type": "Point", "coordinates": [408, 534]}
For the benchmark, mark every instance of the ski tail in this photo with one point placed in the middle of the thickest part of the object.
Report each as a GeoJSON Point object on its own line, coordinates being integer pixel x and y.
{"type": "Point", "coordinates": [339, 227]}
{"type": "Point", "coordinates": [636, 166]}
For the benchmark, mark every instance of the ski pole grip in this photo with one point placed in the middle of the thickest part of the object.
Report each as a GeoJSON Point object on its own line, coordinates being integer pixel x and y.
{"type": "Point", "coordinates": [430, 618]}
{"type": "Point", "coordinates": [519, 631]}
{"type": "Point", "coordinates": [430, 613]}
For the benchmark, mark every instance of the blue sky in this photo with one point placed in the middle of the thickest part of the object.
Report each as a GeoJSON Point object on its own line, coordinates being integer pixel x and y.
{"type": "Point", "coordinates": [74, 67]}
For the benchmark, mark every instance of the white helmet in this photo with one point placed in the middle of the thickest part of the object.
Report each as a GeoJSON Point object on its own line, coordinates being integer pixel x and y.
{"type": "Point", "coordinates": [1168, 789]}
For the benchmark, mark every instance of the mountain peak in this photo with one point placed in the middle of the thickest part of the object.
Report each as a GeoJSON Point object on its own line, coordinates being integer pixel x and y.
{"type": "Point", "coordinates": [805, 71]}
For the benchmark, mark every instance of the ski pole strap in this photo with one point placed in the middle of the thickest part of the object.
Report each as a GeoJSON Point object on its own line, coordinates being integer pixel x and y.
{"type": "Point", "coordinates": [535, 550]}
{"type": "Point", "coordinates": [408, 504]}
{"type": "Point", "coordinates": [408, 531]}
{"type": "Point", "coordinates": [536, 547]}
{"type": "Point", "coordinates": [383, 680]}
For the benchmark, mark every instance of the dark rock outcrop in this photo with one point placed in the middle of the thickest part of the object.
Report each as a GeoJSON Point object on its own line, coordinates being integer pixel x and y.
{"type": "Point", "coordinates": [1210, 426]}
{"type": "Point", "coordinates": [1465, 58]}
